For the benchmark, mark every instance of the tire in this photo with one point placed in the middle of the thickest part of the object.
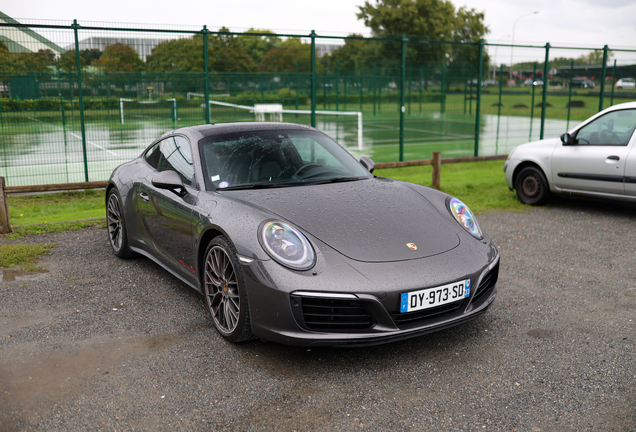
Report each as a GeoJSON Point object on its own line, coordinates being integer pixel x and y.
{"type": "Point", "coordinates": [532, 187]}
{"type": "Point", "coordinates": [224, 291]}
{"type": "Point", "coordinates": [117, 233]}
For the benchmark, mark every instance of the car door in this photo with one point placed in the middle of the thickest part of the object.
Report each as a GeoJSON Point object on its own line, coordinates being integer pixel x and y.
{"type": "Point", "coordinates": [165, 215]}
{"type": "Point", "coordinates": [595, 157]}
{"type": "Point", "coordinates": [630, 168]}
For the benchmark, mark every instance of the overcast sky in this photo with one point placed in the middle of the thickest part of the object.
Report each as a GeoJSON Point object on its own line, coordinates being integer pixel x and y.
{"type": "Point", "coordinates": [582, 23]}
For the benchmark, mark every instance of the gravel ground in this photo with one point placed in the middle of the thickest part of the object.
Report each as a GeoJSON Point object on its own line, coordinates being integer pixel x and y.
{"type": "Point", "coordinates": [98, 343]}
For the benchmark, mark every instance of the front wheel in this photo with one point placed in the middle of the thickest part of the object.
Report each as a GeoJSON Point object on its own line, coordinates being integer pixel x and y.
{"type": "Point", "coordinates": [532, 187]}
{"type": "Point", "coordinates": [117, 234]}
{"type": "Point", "coordinates": [224, 291]}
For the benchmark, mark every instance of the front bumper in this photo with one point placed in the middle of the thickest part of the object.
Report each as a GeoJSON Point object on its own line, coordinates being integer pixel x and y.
{"type": "Point", "coordinates": [350, 314]}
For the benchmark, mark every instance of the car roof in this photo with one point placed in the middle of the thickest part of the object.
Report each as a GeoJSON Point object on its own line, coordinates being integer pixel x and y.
{"type": "Point", "coordinates": [202, 131]}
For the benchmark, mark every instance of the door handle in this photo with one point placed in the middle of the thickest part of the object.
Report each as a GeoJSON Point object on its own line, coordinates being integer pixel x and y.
{"type": "Point", "coordinates": [614, 158]}
{"type": "Point", "coordinates": [144, 196]}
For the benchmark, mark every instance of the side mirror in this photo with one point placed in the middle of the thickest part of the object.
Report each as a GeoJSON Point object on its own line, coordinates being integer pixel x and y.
{"type": "Point", "coordinates": [171, 181]}
{"type": "Point", "coordinates": [368, 163]}
{"type": "Point", "coordinates": [566, 139]}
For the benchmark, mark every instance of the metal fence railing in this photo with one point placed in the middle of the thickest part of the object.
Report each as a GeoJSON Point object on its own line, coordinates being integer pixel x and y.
{"type": "Point", "coordinates": [79, 99]}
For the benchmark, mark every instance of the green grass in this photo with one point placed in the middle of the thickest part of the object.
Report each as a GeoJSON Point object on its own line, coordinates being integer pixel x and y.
{"type": "Point", "coordinates": [56, 207]}
{"type": "Point", "coordinates": [55, 227]}
{"type": "Point", "coordinates": [24, 255]}
{"type": "Point", "coordinates": [481, 185]}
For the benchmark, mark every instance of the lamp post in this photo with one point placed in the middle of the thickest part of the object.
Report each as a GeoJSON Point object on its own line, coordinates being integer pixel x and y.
{"type": "Point", "coordinates": [513, 38]}
{"type": "Point", "coordinates": [495, 58]}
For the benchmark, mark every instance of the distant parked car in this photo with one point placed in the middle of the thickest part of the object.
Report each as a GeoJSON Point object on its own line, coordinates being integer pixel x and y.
{"type": "Point", "coordinates": [582, 83]}
{"type": "Point", "coordinates": [626, 83]}
{"type": "Point", "coordinates": [595, 159]}
{"type": "Point", "coordinates": [489, 83]}
{"type": "Point", "coordinates": [530, 82]}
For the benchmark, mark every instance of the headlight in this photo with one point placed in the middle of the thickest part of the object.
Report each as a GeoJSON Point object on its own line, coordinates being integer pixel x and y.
{"type": "Point", "coordinates": [287, 245]}
{"type": "Point", "coordinates": [465, 217]}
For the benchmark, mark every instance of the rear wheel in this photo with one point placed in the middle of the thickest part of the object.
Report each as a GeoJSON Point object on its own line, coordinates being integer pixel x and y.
{"type": "Point", "coordinates": [117, 234]}
{"type": "Point", "coordinates": [532, 187]}
{"type": "Point", "coordinates": [224, 291]}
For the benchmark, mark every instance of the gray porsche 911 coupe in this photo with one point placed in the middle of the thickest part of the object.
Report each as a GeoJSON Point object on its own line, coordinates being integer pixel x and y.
{"type": "Point", "coordinates": [290, 239]}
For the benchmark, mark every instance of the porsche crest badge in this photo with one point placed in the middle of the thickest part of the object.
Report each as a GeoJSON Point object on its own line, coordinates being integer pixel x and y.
{"type": "Point", "coordinates": [412, 246]}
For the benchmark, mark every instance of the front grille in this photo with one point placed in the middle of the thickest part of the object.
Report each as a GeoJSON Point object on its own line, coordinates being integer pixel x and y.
{"type": "Point", "coordinates": [330, 314]}
{"type": "Point", "coordinates": [409, 317]}
{"type": "Point", "coordinates": [487, 284]}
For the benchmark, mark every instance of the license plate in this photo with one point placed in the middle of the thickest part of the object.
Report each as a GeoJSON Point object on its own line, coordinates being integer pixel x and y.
{"type": "Point", "coordinates": [432, 297]}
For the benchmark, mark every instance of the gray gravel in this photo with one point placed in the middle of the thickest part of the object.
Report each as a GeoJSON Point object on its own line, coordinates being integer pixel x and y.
{"type": "Point", "coordinates": [104, 344]}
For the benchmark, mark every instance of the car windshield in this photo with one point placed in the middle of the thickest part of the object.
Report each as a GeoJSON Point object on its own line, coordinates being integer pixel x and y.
{"type": "Point", "coordinates": [275, 158]}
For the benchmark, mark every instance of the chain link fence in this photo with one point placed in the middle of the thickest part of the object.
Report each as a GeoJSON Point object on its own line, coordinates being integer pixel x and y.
{"type": "Point", "coordinates": [79, 99]}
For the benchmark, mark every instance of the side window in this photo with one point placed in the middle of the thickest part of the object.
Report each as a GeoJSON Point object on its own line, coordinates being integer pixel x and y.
{"type": "Point", "coordinates": [613, 129]}
{"type": "Point", "coordinates": [153, 156]}
{"type": "Point", "coordinates": [173, 154]}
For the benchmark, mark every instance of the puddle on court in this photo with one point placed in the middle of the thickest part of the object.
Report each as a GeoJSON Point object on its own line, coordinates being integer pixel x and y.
{"type": "Point", "coordinates": [13, 274]}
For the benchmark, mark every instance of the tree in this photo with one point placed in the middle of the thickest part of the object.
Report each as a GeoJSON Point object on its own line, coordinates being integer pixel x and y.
{"type": "Point", "coordinates": [283, 58]}
{"type": "Point", "coordinates": [424, 20]}
{"type": "Point", "coordinates": [186, 55]}
{"type": "Point", "coordinates": [120, 58]}
{"type": "Point", "coordinates": [257, 46]}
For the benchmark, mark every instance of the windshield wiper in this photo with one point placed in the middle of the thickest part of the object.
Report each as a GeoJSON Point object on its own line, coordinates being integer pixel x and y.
{"type": "Point", "coordinates": [255, 186]}
{"type": "Point", "coordinates": [335, 180]}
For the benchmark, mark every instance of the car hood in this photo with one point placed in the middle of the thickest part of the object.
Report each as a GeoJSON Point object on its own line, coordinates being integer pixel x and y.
{"type": "Point", "coordinates": [368, 220]}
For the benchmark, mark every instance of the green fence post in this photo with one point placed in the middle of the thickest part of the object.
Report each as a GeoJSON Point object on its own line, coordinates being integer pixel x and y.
{"type": "Point", "coordinates": [480, 71]}
{"type": "Point", "coordinates": [545, 87]}
{"type": "Point", "coordinates": [567, 125]}
{"type": "Point", "coordinates": [59, 90]}
{"type": "Point", "coordinates": [344, 81]}
{"type": "Point", "coordinates": [408, 86]}
{"type": "Point", "coordinates": [297, 86]}
{"type": "Point", "coordinates": [421, 84]}
{"type": "Point", "coordinates": [402, 91]}
{"type": "Point", "coordinates": [613, 82]}
{"type": "Point", "coordinates": [534, 73]}
{"type": "Point", "coordinates": [499, 105]}
{"type": "Point", "coordinates": [337, 84]}
{"type": "Point", "coordinates": [600, 102]}
{"type": "Point", "coordinates": [313, 78]}
{"type": "Point", "coordinates": [470, 90]}
{"type": "Point", "coordinates": [466, 81]}
{"type": "Point", "coordinates": [324, 89]}
{"type": "Point", "coordinates": [442, 107]}
{"type": "Point", "coordinates": [206, 79]}
{"type": "Point", "coordinates": [75, 26]}
{"type": "Point", "coordinates": [4, 147]}
{"type": "Point", "coordinates": [375, 78]}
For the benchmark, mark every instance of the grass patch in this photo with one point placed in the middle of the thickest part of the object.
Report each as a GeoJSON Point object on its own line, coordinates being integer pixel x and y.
{"type": "Point", "coordinates": [56, 207]}
{"type": "Point", "coordinates": [24, 255]}
{"type": "Point", "coordinates": [481, 185]}
{"type": "Point", "coordinates": [21, 232]}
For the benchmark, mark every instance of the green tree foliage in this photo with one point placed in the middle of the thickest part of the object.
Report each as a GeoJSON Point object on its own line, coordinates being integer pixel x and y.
{"type": "Point", "coordinates": [257, 46]}
{"type": "Point", "coordinates": [425, 20]}
{"type": "Point", "coordinates": [225, 54]}
{"type": "Point", "coordinates": [120, 58]}
{"type": "Point", "coordinates": [283, 57]}
{"type": "Point", "coordinates": [13, 64]}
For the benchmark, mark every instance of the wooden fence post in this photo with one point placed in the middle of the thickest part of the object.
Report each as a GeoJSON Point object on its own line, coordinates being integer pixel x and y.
{"type": "Point", "coordinates": [436, 169]}
{"type": "Point", "coordinates": [5, 223]}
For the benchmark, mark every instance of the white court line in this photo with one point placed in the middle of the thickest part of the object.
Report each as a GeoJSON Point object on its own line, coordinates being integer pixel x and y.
{"type": "Point", "coordinates": [92, 143]}
{"type": "Point", "coordinates": [78, 137]}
